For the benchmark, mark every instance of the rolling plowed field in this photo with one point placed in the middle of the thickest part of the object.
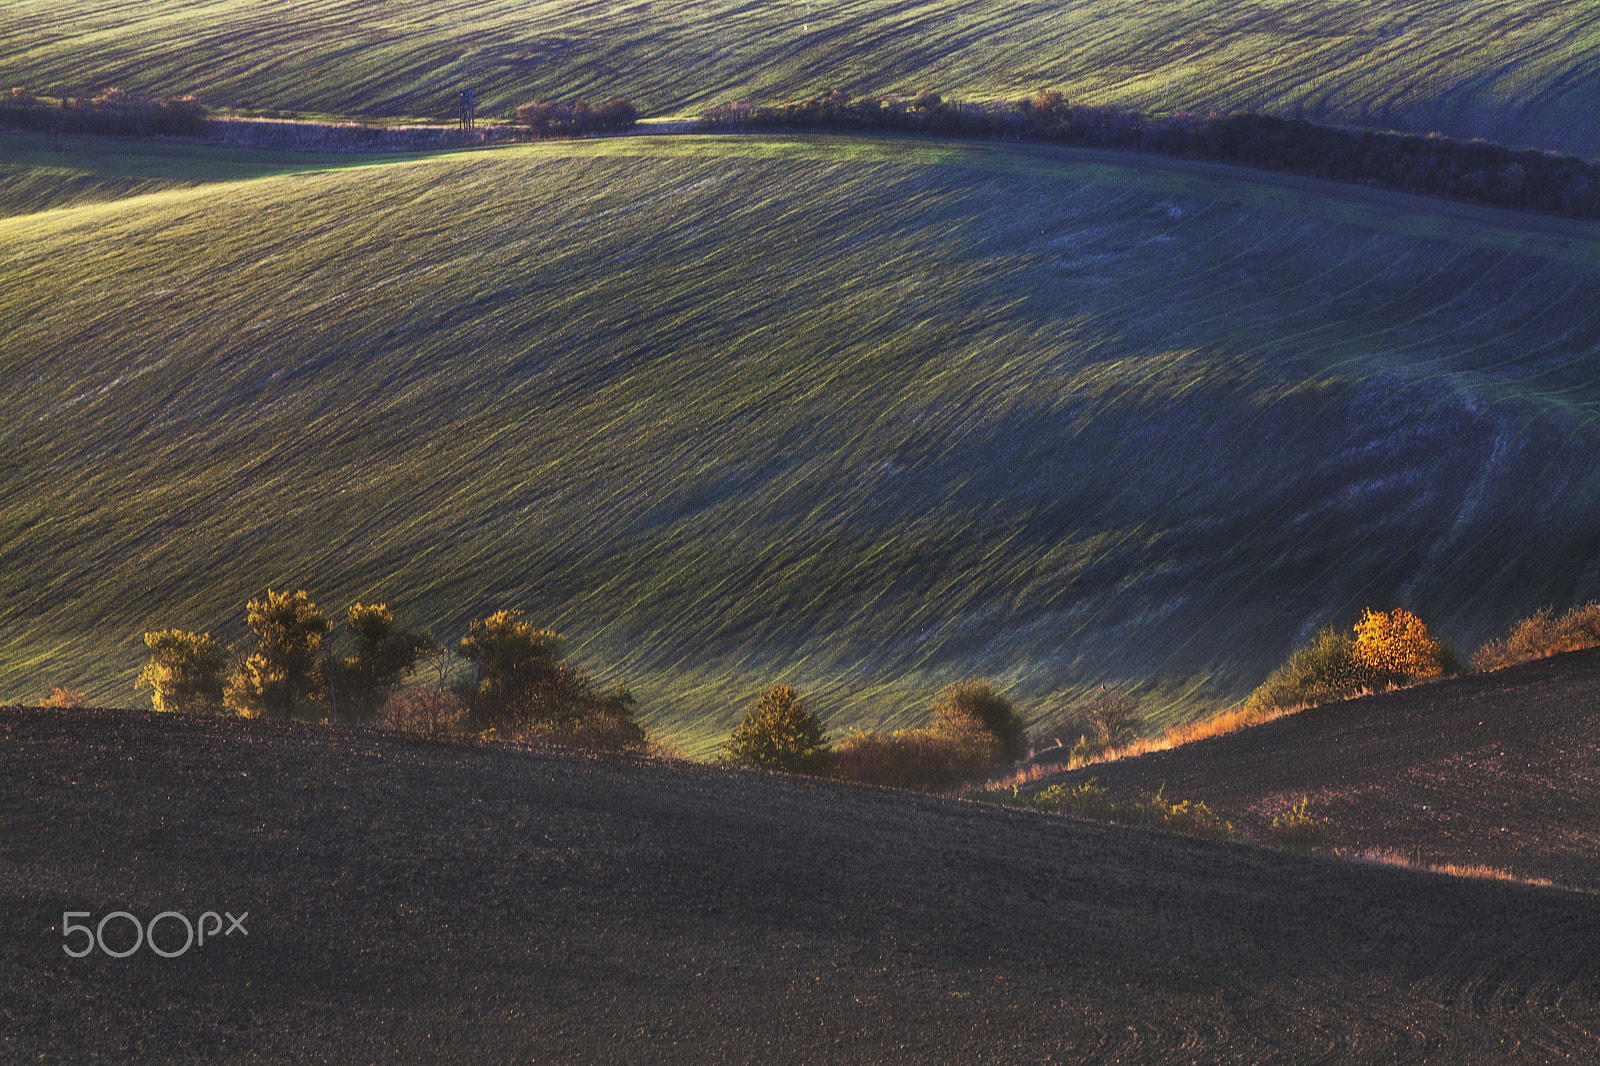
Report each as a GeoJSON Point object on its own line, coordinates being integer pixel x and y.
{"type": "Point", "coordinates": [428, 903]}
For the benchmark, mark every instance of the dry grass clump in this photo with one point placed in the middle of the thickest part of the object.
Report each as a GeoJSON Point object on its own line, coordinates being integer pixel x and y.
{"type": "Point", "coordinates": [1395, 858]}
{"type": "Point", "coordinates": [1229, 721]}
{"type": "Point", "coordinates": [1540, 635]}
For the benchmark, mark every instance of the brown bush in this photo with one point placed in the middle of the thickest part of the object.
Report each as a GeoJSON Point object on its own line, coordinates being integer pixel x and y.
{"type": "Point", "coordinates": [1540, 635]}
{"type": "Point", "coordinates": [61, 696]}
{"type": "Point", "coordinates": [923, 759]}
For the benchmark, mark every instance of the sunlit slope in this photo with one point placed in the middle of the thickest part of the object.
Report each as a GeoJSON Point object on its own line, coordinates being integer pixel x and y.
{"type": "Point", "coordinates": [865, 417]}
{"type": "Point", "coordinates": [1523, 71]}
{"type": "Point", "coordinates": [39, 172]}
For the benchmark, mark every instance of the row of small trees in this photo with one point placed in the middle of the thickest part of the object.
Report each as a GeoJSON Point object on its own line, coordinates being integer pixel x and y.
{"type": "Point", "coordinates": [512, 680]}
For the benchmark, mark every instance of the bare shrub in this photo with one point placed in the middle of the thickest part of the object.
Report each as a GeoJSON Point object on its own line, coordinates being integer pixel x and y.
{"type": "Point", "coordinates": [432, 712]}
{"type": "Point", "coordinates": [1111, 717]}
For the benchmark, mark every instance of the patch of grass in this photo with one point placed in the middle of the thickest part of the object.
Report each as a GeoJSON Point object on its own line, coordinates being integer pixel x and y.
{"type": "Point", "coordinates": [864, 417]}
{"type": "Point", "coordinates": [39, 172]}
{"type": "Point", "coordinates": [1088, 800]}
{"type": "Point", "coordinates": [1520, 71]}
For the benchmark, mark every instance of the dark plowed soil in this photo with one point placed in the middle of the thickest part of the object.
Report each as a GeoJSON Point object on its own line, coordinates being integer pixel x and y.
{"type": "Point", "coordinates": [411, 902]}
{"type": "Point", "coordinates": [1501, 769]}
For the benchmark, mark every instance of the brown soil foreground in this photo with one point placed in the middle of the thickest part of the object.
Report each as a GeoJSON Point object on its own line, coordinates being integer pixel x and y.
{"type": "Point", "coordinates": [1500, 769]}
{"type": "Point", "coordinates": [415, 902]}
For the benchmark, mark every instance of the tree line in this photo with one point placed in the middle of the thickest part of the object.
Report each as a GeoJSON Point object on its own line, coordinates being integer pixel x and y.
{"type": "Point", "coordinates": [506, 677]}
{"type": "Point", "coordinates": [1478, 171]}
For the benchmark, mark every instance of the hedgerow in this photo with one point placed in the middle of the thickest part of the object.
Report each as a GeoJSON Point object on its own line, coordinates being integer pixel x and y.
{"type": "Point", "coordinates": [1547, 182]}
{"type": "Point", "coordinates": [506, 679]}
{"type": "Point", "coordinates": [111, 112]}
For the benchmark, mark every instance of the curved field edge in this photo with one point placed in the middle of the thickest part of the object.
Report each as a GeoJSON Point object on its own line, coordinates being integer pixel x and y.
{"type": "Point", "coordinates": [1517, 71]}
{"type": "Point", "coordinates": [865, 416]}
{"type": "Point", "coordinates": [532, 902]}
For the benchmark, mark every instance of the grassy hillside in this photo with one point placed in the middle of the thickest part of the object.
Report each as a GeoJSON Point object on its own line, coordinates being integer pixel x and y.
{"type": "Point", "coordinates": [865, 416]}
{"type": "Point", "coordinates": [1521, 71]}
{"type": "Point", "coordinates": [39, 172]}
{"type": "Point", "coordinates": [413, 902]}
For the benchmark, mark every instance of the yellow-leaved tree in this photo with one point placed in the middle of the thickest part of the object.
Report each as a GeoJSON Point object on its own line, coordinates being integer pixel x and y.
{"type": "Point", "coordinates": [184, 673]}
{"type": "Point", "coordinates": [1396, 647]}
{"type": "Point", "coordinates": [282, 670]}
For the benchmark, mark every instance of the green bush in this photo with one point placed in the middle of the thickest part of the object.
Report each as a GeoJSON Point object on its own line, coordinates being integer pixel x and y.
{"type": "Point", "coordinates": [779, 733]}
{"type": "Point", "coordinates": [1324, 669]}
{"type": "Point", "coordinates": [381, 654]}
{"type": "Point", "coordinates": [513, 680]}
{"type": "Point", "coordinates": [518, 688]}
{"type": "Point", "coordinates": [975, 701]}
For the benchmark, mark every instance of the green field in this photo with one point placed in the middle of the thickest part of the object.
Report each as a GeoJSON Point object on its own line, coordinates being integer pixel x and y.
{"type": "Point", "coordinates": [1519, 71]}
{"type": "Point", "coordinates": [39, 172]}
{"type": "Point", "coordinates": [867, 416]}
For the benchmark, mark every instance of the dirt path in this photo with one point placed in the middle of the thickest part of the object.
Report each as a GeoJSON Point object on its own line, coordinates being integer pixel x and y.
{"type": "Point", "coordinates": [428, 903]}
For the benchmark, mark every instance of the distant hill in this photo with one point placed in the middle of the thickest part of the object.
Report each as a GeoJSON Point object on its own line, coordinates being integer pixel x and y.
{"type": "Point", "coordinates": [1518, 71]}
{"type": "Point", "coordinates": [865, 416]}
{"type": "Point", "coordinates": [1496, 770]}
